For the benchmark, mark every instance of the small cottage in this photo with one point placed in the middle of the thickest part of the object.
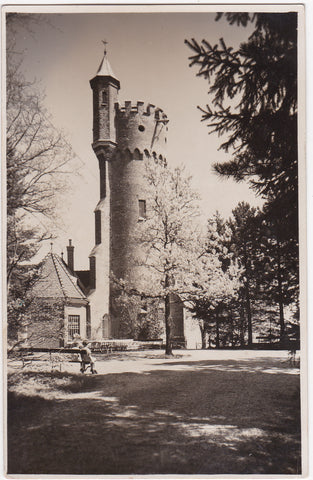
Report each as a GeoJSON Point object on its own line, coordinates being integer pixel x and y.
{"type": "Point", "coordinates": [60, 308]}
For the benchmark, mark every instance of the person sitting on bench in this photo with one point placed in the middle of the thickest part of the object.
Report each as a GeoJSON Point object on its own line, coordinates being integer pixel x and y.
{"type": "Point", "coordinates": [86, 357]}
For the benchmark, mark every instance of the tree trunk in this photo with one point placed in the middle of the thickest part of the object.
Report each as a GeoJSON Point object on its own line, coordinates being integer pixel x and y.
{"type": "Point", "coordinates": [280, 302]}
{"type": "Point", "coordinates": [203, 336]}
{"type": "Point", "coordinates": [247, 294]}
{"type": "Point", "coordinates": [168, 345]}
{"type": "Point", "coordinates": [231, 322]}
{"type": "Point", "coordinates": [242, 326]}
{"type": "Point", "coordinates": [217, 342]}
{"type": "Point", "coordinates": [249, 316]}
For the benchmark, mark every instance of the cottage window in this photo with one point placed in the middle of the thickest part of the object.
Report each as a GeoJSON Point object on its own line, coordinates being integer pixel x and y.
{"type": "Point", "coordinates": [73, 326]}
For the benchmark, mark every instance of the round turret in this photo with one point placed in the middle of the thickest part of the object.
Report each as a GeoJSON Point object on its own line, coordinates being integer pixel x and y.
{"type": "Point", "coordinates": [142, 129]}
{"type": "Point", "coordinates": [124, 138]}
{"type": "Point", "coordinates": [140, 135]}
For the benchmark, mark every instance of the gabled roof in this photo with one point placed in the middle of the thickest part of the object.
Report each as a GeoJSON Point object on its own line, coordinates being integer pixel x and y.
{"type": "Point", "coordinates": [56, 280]}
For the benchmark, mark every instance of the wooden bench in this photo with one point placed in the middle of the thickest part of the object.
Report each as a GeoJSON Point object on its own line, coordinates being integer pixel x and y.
{"type": "Point", "coordinates": [28, 355]}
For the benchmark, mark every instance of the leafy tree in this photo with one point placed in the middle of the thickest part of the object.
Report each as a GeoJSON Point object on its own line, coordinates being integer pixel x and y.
{"type": "Point", "coordinates": [173, 253]}
{"type": "Point", "coordinates": [38, 157]}
{"type": "Point", "coordinates": [37, 153]}
{"type": "Point", "coordinates": [19, 301]}
{"type": "Point", "coordinates": [139, 317]}
{"type": "Point", "coordinates": [253, 105]}
{"type": "Point", "coordinates": [36, 321]}
{"type": "Point", "coordinates": [219, 284]}
{"type": "Point", "coordinates": [168, 237]}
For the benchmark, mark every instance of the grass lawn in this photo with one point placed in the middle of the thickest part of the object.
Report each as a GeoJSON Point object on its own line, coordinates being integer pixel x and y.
{"type": "Point", "coordinates": [207, 412]}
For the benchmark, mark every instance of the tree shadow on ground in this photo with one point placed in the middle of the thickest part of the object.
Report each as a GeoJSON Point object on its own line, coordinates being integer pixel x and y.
{"type": "Point", "coordinates": [193, 419]}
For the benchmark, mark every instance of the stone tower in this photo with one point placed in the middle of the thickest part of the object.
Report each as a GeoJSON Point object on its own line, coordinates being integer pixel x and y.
{"type": "Point", "coordinates": [123, 138]}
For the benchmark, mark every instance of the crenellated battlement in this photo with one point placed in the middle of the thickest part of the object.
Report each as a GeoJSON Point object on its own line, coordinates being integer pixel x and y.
{"type": "Point", "coordinates": [140, 126]}
{"type": "Point", "coordinates": [129, 109]}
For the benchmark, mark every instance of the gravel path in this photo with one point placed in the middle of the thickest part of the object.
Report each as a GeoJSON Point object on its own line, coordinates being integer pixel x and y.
{"type": "Point", "coordinates": [201, 412]}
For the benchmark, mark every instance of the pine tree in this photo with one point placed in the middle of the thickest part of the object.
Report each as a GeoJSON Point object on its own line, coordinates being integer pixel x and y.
{"type": "Point", "coordinates": [253, 106]}
{"type": "Point", "coordinates": [245, 240]}
{"type": "Point", "coordinates": [279, 272]}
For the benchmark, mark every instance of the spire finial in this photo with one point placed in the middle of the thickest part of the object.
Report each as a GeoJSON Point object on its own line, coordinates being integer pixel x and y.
{"type": "Point", "coordinates": [105, 69]}
{"type": "Point", "coordinates": [51, 246]}
{"type": "Point", "coordinates": [105, 46]}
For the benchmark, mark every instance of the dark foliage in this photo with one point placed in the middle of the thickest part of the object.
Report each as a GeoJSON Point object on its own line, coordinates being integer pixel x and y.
{"type": "Point", "coordinates": [253, 103]}
{"type": "Point", "coordinates": [253, 107]}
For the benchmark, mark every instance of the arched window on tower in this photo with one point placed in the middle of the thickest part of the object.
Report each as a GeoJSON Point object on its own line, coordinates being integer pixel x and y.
{"type": "Point", "coordinates": [92, 269]}
{"type": "Point", "coordinates": [142, 209]}
{"type": "Point", "coordinates": [98, 226]}
{"type": "Point", "coordinates": [104, 97]}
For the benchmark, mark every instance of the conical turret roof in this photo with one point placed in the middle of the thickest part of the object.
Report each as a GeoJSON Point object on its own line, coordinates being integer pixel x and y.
{"type": "Point", "coordinates": [105, 69]}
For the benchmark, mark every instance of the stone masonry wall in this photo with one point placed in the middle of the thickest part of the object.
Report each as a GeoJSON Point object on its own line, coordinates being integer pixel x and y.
{"type": "Point", "coordinates": [140, 134]}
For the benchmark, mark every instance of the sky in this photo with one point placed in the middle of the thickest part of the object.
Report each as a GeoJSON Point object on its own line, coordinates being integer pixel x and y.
{"type": "Point", "coordinates": [148, 55]}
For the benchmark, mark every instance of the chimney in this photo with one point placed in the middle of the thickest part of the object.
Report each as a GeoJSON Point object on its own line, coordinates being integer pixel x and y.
{"type": "Point", "coordinates": [70, 256]}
